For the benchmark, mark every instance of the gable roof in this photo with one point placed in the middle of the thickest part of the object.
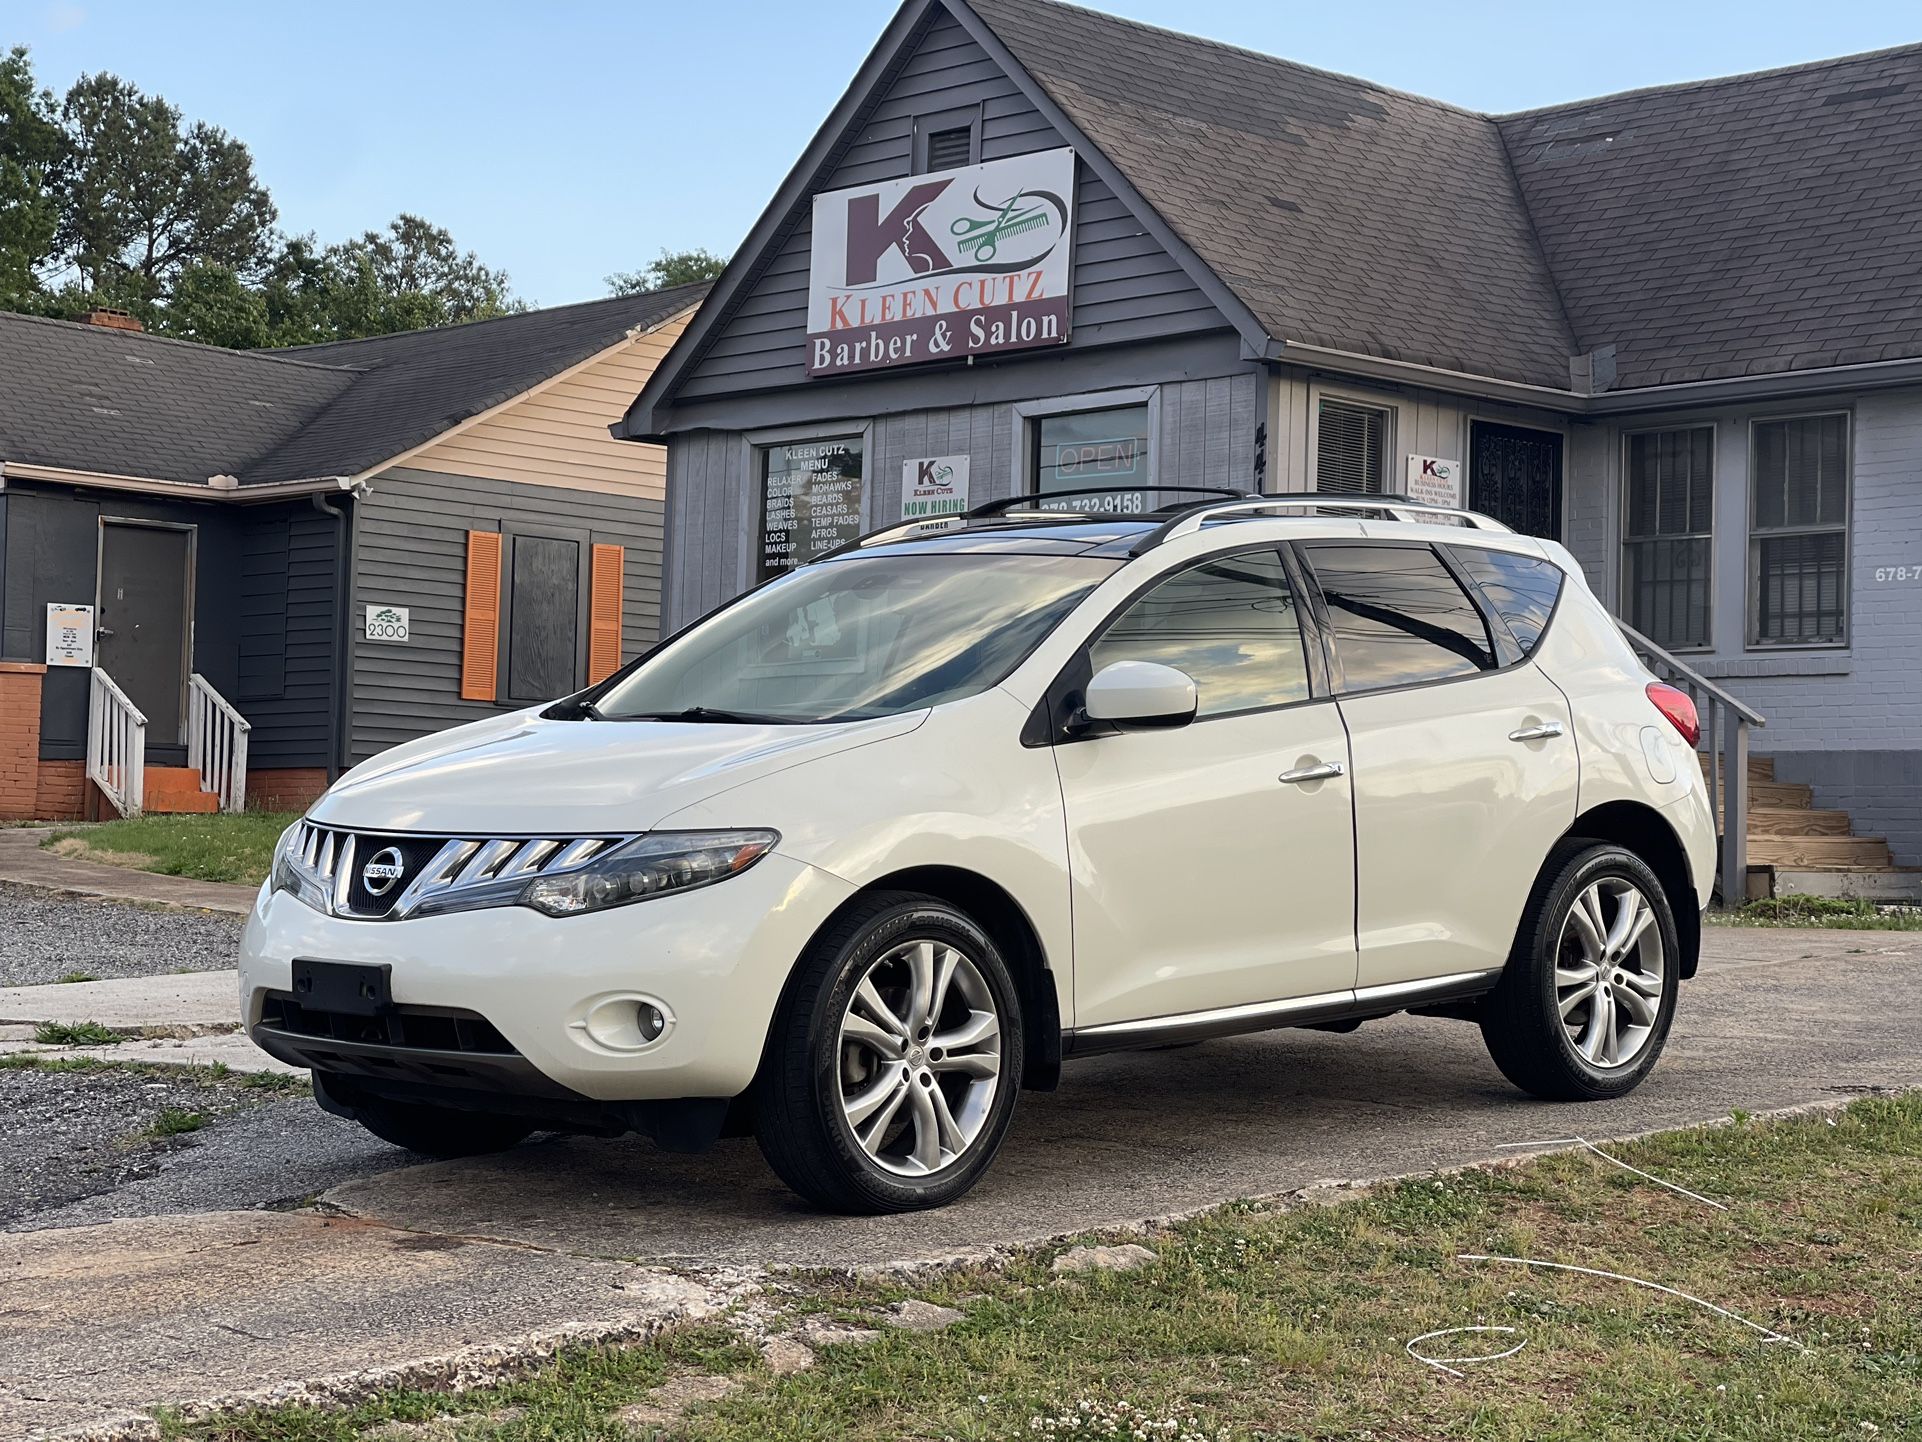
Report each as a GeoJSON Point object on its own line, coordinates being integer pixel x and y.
{"type": "Point", "coordinates": [124, 403]}
{"type": "Point", "coordinates": [1755, 225]}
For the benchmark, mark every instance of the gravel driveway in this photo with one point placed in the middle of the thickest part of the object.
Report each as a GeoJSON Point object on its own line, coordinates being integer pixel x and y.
{"type": "Point", "coordinates": [45, 936]}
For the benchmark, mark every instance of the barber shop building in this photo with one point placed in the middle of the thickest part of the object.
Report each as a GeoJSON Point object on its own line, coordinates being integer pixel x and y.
{"type": "Point", "coordinates": [1679, 330]}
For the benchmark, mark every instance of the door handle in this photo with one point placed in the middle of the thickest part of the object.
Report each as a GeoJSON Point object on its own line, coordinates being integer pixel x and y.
{"type": "Point", "coordinates": [1540, 732]}
{"type": "Point", "coordinates": [1303, 774]}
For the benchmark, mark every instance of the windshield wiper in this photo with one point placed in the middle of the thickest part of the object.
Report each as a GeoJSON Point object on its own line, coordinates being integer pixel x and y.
{"type": "Point", "coordinates": [714, 714]}
{"type": "Point", "coordinates": [575, 711]}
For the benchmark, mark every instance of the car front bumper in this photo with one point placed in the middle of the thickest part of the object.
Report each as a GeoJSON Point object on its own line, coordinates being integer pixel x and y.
{"type": "Point", "coordinates": [561, 992]}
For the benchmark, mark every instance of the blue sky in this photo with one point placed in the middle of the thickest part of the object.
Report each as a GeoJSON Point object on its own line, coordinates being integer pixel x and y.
{"type": "Point", "coordinates": [563, 140]}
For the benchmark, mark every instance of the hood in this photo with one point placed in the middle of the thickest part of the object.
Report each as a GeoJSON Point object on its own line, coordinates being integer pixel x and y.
{"type": "Point", "coordinates": [522, 775]}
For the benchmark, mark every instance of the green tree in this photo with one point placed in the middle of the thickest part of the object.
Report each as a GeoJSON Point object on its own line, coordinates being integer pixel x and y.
{"type": "Point", "coordinates": [425, 278]}
{"type": "Point", "coordinates": [674, 267]}
{"type": "Point", "coordinates": [142, 199]}
{"type": "Point", "coordinates": [30, 149]}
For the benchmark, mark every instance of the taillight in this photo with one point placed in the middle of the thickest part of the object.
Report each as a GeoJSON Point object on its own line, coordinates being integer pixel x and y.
{"type": "Point", "coordinates": [1679, 707]}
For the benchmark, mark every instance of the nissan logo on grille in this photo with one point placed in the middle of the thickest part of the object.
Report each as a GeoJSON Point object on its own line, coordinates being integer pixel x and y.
{"type": "Point", "coordinates": [382, 870]}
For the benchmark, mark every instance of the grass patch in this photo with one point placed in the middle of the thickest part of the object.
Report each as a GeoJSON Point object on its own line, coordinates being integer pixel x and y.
{"type": "Point", "coordinates": [74, 976]}
{"type": "Point", "coordinates": [213, 1074]}
{"type": "Point", "coordinates": [1259, 1323]}
{"type": "Point", "coordinates": [236, 847]}
{"type": "Point", "coordinates": [1794, 911]}
{"type": "Point", "coordinates": [176, 1121]}
{"type": "Point", "coordinates": [76, 1033]}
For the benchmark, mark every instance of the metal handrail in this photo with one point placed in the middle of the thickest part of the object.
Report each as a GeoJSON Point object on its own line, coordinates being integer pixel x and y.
{"type": "Point", "coordinates": [116, 745]}
{"type": "Point", "coordinates": [217, 743]}
{"type": "Point", "coordinates": [1193, 518]}
{"type": "Point", "coordinates": [1725, 728]}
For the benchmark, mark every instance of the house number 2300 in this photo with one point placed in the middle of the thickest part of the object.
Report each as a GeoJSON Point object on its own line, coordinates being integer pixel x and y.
{"type": "Point", "coordinates": [1898, 573]}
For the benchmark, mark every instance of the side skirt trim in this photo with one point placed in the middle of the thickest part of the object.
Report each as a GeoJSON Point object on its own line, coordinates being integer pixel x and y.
{"type": "Point", "coordinates": [1325, 1006]}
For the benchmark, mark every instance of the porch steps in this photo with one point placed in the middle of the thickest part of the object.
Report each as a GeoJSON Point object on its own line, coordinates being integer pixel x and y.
{"type": "Point", "coordinates": [175, 791]}
{"type": "Point", "coordinates": [1800, 848]}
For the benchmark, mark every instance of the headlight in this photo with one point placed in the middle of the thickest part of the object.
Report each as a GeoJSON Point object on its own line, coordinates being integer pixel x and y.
{"type": "Point", "coordinates": [284, 875]}
{"type": "Point", "coordinates": [653, 865]}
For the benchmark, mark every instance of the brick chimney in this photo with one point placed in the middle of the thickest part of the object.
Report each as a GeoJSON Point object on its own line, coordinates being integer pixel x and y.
{"type": "Point", "coordinates": [112, 319]}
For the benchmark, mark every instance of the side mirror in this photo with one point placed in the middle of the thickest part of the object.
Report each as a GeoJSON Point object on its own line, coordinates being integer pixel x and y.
{"type": "Point", "coordinates": [1141, 693]}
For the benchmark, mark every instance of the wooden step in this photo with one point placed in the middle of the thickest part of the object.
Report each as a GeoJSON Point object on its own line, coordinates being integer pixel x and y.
{"type": "Point", "coordinates": [1796, 821]}
{"type": "Point", "coordinates": [1816, 853]}
{"type": "Point", "coordinates": [175, 791]}
{"type": "Point", "coordinates": [1772, 795]}
{"type": "Point", "coordinates": [1760, 768]}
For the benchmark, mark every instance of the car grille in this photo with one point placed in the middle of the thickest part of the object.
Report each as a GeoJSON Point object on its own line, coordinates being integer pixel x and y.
{"type": "Point", "coordinates": [425, 868]}
{"type": "Point", "coordinates": [410, 1028]}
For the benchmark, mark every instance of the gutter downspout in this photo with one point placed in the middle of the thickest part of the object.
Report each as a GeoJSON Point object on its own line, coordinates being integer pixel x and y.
{"type": "Point", "coordinates": [343, 581]}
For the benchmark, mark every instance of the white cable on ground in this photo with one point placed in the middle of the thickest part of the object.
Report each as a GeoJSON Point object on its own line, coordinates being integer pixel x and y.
{"type": "Point", "coordinates": [1639, 1282]}
{"type": "Point", "coordinates": [1648, 1176]}
{"type": "Point", "coordinates": [1449, 1364]}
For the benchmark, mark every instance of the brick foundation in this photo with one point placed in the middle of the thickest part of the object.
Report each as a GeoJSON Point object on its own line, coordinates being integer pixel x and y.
{"type": "Point", "coordinates": [290, 788]}
{"type": "Point", "coordinates": [20, 739]}
{"type": "Point", "coordinates": [62, 792]}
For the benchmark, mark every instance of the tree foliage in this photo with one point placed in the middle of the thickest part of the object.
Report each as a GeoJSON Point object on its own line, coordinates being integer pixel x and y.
{"type": "Point", "coordinates": [108, 197]}
{"type": "Point", "coordinates": [674, 267]}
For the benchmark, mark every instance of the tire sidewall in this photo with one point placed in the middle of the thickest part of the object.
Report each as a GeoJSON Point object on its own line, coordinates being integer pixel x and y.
{"type": "Point", "coordinates": [910, 921]}
{"type": "Point", "coordinates": [1597, 864]}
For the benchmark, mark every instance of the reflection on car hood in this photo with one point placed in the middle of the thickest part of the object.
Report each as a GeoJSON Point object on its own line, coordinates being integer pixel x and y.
{"type": "Point", "coordinates": [522, 775]}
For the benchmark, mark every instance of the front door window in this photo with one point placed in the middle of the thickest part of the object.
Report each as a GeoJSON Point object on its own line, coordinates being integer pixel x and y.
{"type": "Point", "coordinates": [1515, 475]}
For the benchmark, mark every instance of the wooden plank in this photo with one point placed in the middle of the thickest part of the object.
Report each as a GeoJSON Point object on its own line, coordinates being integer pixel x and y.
{"type": "Point", "coordinates": [1818, 851]}
{"type": "Point", "coordinates": [1793, 821]}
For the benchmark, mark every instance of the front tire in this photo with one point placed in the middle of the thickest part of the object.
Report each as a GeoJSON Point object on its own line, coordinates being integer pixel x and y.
{"type": "Point", "coordinates": [1584, 1005]}
{"type": "Point", "coordinates": [894, 1061]}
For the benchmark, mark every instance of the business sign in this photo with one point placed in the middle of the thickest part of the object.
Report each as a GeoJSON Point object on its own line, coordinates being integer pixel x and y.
{"type": "Point", "coordinates": [937, 486]}
{"type": "Point", "coordinates": [69, 635]}
{"type": "Point", "coordinates": [811, 495]}
{"type": "Point", "coordinates": [387, 623]}
{"type": "Point", "coordinates": [935, 267]}
{"type": "Point", "coordinates": [1435, 481]}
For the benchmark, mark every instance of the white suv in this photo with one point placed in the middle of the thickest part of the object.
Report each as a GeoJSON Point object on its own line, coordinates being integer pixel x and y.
{"type": "Point", "coordinates": [853, 860]}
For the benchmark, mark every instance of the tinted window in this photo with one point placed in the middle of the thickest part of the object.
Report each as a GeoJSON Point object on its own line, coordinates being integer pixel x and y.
{"type": "Point", "coordinates": [1230, 624]}
{"type": "Point", "coordinates": [1522, 589]}
{"type": "Point", "coordinates": [543, 618]}
{"type": "Point", "coordinates": [1398, 616]}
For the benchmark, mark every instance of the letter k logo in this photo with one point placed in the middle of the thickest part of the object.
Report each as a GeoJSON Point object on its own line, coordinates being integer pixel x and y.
{"type": "Point", "coordinates": [871, 234]}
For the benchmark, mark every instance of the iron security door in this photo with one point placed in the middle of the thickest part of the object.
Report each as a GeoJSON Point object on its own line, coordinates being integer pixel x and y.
{"type": "Point", "coordinates": [146, 592]}
{"type": "Point", "coordinates": [1515, 475]}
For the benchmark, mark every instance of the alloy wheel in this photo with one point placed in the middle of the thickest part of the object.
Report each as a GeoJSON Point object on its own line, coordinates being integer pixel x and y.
{"type": "Point", "coordinates": [919, 1057]}
{"type": "Point", "coordinates": [1610, 971]}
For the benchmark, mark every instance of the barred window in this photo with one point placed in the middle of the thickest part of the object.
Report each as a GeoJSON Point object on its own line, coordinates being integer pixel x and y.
{"type": "Point", "coordinates": [1351, 444]}
{"type": "Point", "coordinates": [1665, 546]}
{"type": "Point", "coordinates": [1798, 532]}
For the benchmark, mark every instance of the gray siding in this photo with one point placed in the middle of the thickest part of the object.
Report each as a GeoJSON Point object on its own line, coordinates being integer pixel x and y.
{"type": "Point", "coordinates": [1125, 286]}
{"type": "Point", "coordinates": [288, 636]}
{"type": "Point", "coordinates": [1205, 430]}
{"type": "Point", "coordinates": [410, 549]}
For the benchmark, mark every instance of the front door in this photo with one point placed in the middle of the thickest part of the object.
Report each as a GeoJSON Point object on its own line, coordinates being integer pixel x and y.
{"type": "Point", "coordinates": [1515, 475]}
{"type": "Point", "coordinates": [146, 596]}
{"type": "Point", "coordinates": [1201, 879]}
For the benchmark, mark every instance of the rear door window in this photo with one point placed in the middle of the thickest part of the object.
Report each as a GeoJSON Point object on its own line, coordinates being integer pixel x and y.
{"type": "Point", "coordinates": [1522, 589]}
{"type": "Point", "coordinates": [1230, 623]}
{"type": "Point", "coordinates": [1397, 614]}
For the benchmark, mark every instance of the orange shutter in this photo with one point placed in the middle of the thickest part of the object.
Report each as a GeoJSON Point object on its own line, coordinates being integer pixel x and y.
{"type": "Point", "coordinates": [604, 613]}
{"type": "Point", "coordinates": [481, 622]}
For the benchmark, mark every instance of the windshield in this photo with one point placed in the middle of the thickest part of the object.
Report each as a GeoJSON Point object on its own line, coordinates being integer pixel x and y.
{"type": "Point", "coordinates": [869, 636]}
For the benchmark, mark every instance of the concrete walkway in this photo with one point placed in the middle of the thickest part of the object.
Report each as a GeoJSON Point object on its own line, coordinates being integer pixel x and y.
{"type": "Point", "coordinates": [189, 1003]}
{"type": "Point", "coordinates": [25, 864]}
{"type": "Point", "coordinates": [429, 1272]}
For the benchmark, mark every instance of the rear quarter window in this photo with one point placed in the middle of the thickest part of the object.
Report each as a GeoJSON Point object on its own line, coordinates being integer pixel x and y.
{"type": "Point", "coordinates": [1522, 589]}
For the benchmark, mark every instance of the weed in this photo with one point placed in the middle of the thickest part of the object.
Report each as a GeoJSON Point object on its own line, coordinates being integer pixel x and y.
{"type": "Point", "coordinates": [76, 1033]}
{"type": "Point", "coordinates": [74, 976]}
{"type": "Point", "coordinates": [176, 1121]}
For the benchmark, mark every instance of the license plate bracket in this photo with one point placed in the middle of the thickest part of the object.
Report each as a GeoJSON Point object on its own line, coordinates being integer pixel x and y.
{"type": "Point", "coordinates": [352, 987]}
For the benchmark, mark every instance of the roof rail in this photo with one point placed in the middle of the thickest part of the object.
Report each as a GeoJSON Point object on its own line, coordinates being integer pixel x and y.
{"type": "Point", "coordinates": [1023, 507]}
{"type": "Point", "coordinates": [1396, 507]}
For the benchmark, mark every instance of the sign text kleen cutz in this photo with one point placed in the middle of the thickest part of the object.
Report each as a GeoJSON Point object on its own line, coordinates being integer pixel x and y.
{"type": "Point", "coordinates": [936, 267]}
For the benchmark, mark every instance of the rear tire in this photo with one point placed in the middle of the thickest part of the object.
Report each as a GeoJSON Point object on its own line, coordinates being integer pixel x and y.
{"type": "Point", "coordinates": [894, 1061]}
{"type": "Point", "coordinates": [1584, 1005]}
{"type": "Point", "coordinates": [441, 1132]}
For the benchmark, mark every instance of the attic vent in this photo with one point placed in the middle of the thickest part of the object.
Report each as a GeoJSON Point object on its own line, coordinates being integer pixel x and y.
{"type": "Point", "coordinates": [952, 148]}
{"type": "Point", "coordinates": [1877, 92]}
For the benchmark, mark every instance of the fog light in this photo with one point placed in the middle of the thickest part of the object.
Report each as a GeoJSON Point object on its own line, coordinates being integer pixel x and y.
{"type": "Point", "coordinates": [626, 1023]}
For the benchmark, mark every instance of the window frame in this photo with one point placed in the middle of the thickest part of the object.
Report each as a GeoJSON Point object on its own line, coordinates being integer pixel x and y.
{"type": "Point", "coordinates": [926, 126]}
{"type": "Point", "coordinates": [1026, 430]}
{"type": "Point", "coordinates": [1624, 540]}
{"type": "Point", "coordinates": [1390, 408]}
{"type": "Point", "coordinates": [511, 533]}
{"type": "Point", "coordinates": [1501, 641]}
{"type": "Point", "coordinates": [1507, 643]}
{"type": "Point", "coordinates": [1751, 600]}
{"type": "Point", "coordinates": [753, 494]}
